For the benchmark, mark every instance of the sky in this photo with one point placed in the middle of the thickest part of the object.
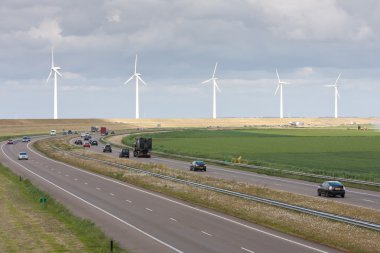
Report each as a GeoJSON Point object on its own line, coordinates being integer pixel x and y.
{"type": "Point", "coordinates": [178, 43]}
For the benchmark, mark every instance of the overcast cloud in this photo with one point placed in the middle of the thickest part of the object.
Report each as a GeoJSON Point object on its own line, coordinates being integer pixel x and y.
{"type": "Point", "coordinates": [178, 43]}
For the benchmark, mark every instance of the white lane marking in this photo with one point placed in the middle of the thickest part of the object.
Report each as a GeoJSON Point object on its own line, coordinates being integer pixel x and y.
{"type": "Point", "coordinates": [85, 183]}
{"type": "Point", "coordinates": [66, 175]}
{"type": "Point", "coordinates": [181, 204]}
{"type": "Point", "coordinates": [76, 179]}
{"type": "Point", "coordinates": [250, 251]}
{"type": "Point", "coordinates": [150, 210]}
{"type": "Point", "coordinates": [173, 219]}
{"type": "Point", "coordinates": [203, 232]}
{"type": "Point", "coordinates": [112, 194]}
{"type": "Point", "coordinates": [368, 200]}
{"type": "Point", "coordinates": [98, 188]}
{"type": "Point", "coordinates": [94, 206]}
{"type": "Point", "coordinates": [128, 201]}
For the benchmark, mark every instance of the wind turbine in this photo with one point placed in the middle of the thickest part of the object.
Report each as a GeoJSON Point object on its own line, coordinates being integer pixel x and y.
{"type": "Point", "coordinates": [335, 85]}
{"type": "Point", "coordinates": [279, 86]}
{"type": "Point", "coordinates": [137, 77]}
{"type": "Point", "coordinates": [55, 71]}
{"type": "Point", "coordinates": [215, 86]}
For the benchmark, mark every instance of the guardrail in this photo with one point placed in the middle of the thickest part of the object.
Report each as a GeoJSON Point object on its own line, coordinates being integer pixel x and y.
{"type": "Point", "coordinates": [257, 167]}
{"type": "Point", "coordinates": [347, 220]}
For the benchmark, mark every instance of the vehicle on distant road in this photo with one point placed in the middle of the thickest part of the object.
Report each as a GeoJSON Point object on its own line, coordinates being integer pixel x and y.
{"type": "Point", "coordinates": [78, 142]}
{"type": "Point", "coordinates": [331, 188]}
{"type": "Point", "coordinates": [86, 144]}
{"type": "Point", "coordinates": [53, 132]}
{"type": "Point", "coordinates": [70, 132]}
{"type": "Point", "coordinates": [142, 147]}
{"type": "Point", "coordinates": [198, 165]}
{"type": "Point", "coordinates": [10, 142]}
{"type": "Point", "coordinates": [94, 143]}
{"type": "Point", "coordinates": [26, 139]}
{"type": "Point", "coordinates": [103, 131]}
{"type": "Point", "coordinates": [23, 156]}
{"type": "Point", "coordinates": [107, 148]}
{"type": "Point", "coordinates": [124, 153]}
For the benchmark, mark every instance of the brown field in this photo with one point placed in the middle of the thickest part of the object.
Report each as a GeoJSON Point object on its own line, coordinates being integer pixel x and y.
{"type": "Point", "coordinates": [43, 126]}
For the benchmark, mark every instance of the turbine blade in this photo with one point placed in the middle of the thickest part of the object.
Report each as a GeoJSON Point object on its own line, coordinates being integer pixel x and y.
{"type": "Point", "coordinates": [284, 82]}
{"type": "Point", "coordinates": [58, 72]}
{"type": "Point", "coordinates": [216, 65]}
{"type": "Point", "coordinates": [337, 79]}
{"type": "Point", "coordinates": [130, 79]}
{"type": "Point", "coordinates": [208, 80]}
{"type": "Point", "coordinates": [278, 86]}
{"type": "Point", "coordinates": [141, 80]}
{"type": "Point", "coordinates": [329, 85]}
{"type": "Point", "coordinates": [217, 87]}
{"type": "Point", "coordinates": [52, 57]}
{"type": "Point", "coordinates": [136, 64]}
{"type": "Point", "coordinates": [47, 80]}
{"type": "Point", "coordinates": [278, 76]}
{"type": "Point", "coordinates": [337, 92]}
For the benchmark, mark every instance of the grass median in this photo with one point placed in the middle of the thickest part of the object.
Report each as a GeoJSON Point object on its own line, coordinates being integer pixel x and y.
{"type": "Point", "coordinates": [312, 228]}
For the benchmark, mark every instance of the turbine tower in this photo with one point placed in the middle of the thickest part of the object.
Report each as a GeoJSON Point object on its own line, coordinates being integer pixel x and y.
{"type": "Point", "coordinates": [54, 70]}
{"type": "Point", "coordinates": [137, 77]}
{"type": "Point", "coordinates": [279, 86]}
{"type": "Point", "coordinates": [335, 85]}
{"type": "Point", "coordinates": [215, 86]}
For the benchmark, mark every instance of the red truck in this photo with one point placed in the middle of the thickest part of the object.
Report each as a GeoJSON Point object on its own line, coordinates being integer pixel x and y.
{"type": "Point", "coordinates": [103, 131]}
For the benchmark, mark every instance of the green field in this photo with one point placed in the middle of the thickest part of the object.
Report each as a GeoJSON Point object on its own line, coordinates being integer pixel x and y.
{"type": "Point", "coordinates": [337, 152]}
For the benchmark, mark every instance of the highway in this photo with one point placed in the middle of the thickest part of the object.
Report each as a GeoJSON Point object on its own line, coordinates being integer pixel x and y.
{"type": "Point", "coordinates": [361, 198]}
{"type": "Point", "coordinates": [144, 221]}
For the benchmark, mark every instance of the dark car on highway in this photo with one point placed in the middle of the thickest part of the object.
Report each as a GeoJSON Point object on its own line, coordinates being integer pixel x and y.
{"type": "Point", "coordinates": [331, 188]}
{"type": "Point", "coordinates": [94, 143]}
{"type": "Point", "coordinates": [198, 165]}
{"type": "Point", "coordinates": [124, 153]}
{"type": "Point", "coordinates": [78, 142]}
{"type": "Point", "coordinates": [107, 148]}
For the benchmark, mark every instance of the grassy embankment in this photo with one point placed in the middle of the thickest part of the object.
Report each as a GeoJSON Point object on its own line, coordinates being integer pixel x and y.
{"type": "Point", "coordinates": [26, 225]}
{"type": "Point", "coordinates": [335, 152]}
{"type": "Point", "coordinates": [305, 226]}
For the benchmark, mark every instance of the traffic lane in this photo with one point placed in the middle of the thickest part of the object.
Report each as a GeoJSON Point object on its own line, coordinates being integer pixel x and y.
{"type": "Point", "coordinates": [202, 233]}
{"type": "Point", "coordinates": [127, 236]}
{"type": "Point", "coordinates": [361, 198]}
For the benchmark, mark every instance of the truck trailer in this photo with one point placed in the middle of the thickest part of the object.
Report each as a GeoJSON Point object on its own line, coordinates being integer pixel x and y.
{"type": "Point", "coordinates": [103, 131]}
{"type": "Point", "coordinates": [142, 147]}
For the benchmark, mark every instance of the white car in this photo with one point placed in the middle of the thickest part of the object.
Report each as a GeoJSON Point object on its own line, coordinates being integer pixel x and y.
{"type": "Point", "coordinates": [23, 156]}
{"type": "Point", "coordinates": [53, 132]}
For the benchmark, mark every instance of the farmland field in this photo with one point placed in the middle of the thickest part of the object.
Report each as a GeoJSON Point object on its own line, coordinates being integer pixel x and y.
{"type": "Point", "coordinates": [338, 152]}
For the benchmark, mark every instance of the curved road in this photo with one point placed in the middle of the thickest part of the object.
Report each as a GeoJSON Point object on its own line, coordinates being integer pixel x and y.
{"type": "Point", "coordinates": [144, 221]}
{"type": "Point", "coordinates": [358, 197]}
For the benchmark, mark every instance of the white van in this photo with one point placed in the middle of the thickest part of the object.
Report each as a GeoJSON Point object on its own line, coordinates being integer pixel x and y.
{"type": "Point", "coordinates": [53, 132]}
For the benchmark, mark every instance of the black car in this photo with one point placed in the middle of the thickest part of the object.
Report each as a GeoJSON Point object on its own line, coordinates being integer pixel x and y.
{"type": "Point", "coordinates": [107, 148]}
{"type": "Point", "coordinates": [70, 132]}
{"type": "Point", "coordinates": [331, 188]}
{"type": "Point", "coordinates": [78, 142]}
{"type": "Point", "coordinates": [94, 143]}
{"type": "Point", "coordinates": [198, 165]}
{"type": "Point", "coordinates": [124, 153]}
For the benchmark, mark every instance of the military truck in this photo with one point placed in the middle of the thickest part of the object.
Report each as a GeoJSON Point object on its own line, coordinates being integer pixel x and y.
{"type": "Point", "coordinates": [142, 147]}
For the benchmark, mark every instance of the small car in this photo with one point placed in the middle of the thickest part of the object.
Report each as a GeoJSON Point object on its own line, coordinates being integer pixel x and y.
{"type": "Point", "coordinates": [107, 148]}
{"type": "Point", "coordinates": [23, 156]}
{"type": "Point", "coordinates": [124, 153]}
{"type": "Point", "coordinates": [86, 144]}
{"type": "Point", "coordinates": [331, 188]}
{"type": "Point", "coordinates": [78, 142]}
{"type": "Point", "coordinates": [94, 143]}
{"type": "Point", "coordinates": [10, 142]}
{"type": "Point", "coordinates": [198, 165]}
{"type": "Point", "coordinates": [26, 139]}
{"type": "Point", "coordinates": [69, 132]}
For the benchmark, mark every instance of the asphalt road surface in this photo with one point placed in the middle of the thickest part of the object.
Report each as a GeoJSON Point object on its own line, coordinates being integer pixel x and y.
{"type": "Point", "coordinates": [362, 198]}
{"type": "Point", "coordinates": [144, 221]}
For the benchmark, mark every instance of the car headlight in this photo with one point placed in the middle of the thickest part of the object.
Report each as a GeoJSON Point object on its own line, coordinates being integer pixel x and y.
{"type": "Point", "coordinates": [330, 188]}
